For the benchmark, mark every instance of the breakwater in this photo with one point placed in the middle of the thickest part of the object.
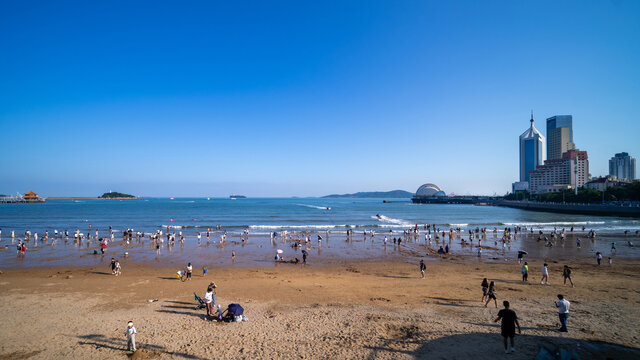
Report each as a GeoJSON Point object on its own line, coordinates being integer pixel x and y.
{"type": "Point", "coordinates": [583, 209]}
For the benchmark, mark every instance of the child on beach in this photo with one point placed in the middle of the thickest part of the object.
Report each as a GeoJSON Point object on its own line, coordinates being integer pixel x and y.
{"type": "Point", "coordinates": [525, 271]}
{"type": "Point", "coordinates": [118, 268]}
{"type": "Point", "coordinates": [491, 294]}
{"type": "Point", "coordinates": [566, 274]}
{"type": "Point", "coordinates": [423, 267]}
{"type": "Point", "coordinates": [545, 275]}
{"type": "Point", "coordinates": [485, 288]}
{"type": "Point", "coordinates": [130, 333]}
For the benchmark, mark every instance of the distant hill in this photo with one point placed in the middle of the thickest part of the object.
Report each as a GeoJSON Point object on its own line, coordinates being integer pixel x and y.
{"type": "Point", "coordinates": [113, 194]}
{"type": "Point", "coordinates": [374, 194]}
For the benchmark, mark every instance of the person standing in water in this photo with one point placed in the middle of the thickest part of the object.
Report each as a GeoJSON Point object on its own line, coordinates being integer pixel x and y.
{"type": "Point", "coordinates": [508, 326]}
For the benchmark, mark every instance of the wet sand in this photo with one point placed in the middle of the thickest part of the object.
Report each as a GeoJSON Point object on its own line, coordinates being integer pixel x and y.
{"type": "Point", "coordinates": [359, 309]}
{"type": "Point", "coordinates": [259, 251]}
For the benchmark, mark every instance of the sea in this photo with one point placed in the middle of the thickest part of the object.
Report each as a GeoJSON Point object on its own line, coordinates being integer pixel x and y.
{"type": "Point", "coordinates": [330, 218]}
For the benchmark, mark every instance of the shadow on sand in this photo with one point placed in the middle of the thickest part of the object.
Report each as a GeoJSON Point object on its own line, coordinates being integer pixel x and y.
{"type": "Point", "coordinates": [119, 344]}
{"type": "Point", "coordinates": [489, 346]}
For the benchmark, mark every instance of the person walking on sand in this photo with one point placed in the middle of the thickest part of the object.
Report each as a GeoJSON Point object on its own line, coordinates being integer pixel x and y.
{"type": "Point", "coordinates": [566, 274]}
{"type": "Point", "coordinates": [525, 271]}
{"type": "Point", "coordinates": [423, 267]}
{"type": "Point", "coordinates": [508, 326]}
{"type": "Point", "coordinates": [545, 275]}
{"type": "Point", "coordinates": [563, 312]}
{"type": "Point", "coordinates": [118, 270]}
{"type": "Point", "coordinates": [113, 266]}
{"type": "Point", "coordinates": [130, 333]}
{"type": "Point", "coordinates": [485, 288]}
{"type": "Point", "coordinates": [599, 257]}
{"type": "Point", "coordinates": [491, 294]}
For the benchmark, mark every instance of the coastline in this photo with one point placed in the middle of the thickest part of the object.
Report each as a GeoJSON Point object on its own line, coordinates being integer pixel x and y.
{"type": "Point", "coordinates": [349, 310]}
{"type": "Point", "coordinates": [90, 198]}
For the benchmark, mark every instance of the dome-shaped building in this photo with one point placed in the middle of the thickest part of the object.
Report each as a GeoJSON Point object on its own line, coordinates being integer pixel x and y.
{"type": "Point", "coordinates": [429, 190]}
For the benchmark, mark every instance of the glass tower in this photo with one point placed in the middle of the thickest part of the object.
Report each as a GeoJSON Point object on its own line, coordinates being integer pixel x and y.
{"type": "Point", "coordinates": [531, 150]}
{"type": "Point", "coordinates": [559, 136]}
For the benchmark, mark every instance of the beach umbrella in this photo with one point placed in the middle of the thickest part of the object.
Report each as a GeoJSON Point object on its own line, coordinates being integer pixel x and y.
{"type": "Point", "coordinates": [522, 252]}
{"type": "Point", "coordinates": [279, 251]}
{"type": "Point", "coordinates": [304, 252]}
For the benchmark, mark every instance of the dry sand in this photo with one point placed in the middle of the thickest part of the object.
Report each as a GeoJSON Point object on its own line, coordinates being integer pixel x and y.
{"type": "Point", "coordinates": [353, 310]}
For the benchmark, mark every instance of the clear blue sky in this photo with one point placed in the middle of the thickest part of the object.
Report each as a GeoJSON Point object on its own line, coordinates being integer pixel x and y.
{"type": "Point", "coordinates": [296, 98]}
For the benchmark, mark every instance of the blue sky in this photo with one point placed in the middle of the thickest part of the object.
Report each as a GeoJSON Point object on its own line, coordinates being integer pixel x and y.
{"type": "Point", "coordinates": [305, 98]}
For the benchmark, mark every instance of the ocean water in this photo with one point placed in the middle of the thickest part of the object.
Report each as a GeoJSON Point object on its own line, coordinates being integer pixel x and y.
{"type": "Point", "coordinates": [263, 216]}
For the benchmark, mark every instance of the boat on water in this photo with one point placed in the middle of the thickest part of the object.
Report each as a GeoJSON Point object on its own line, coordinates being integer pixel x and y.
{"type": "Point", "coordinates": [233, 197]}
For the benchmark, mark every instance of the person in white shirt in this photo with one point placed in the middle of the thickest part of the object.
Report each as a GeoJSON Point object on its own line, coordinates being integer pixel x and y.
{"type": "Point", "coordinates": [130, 333]}
{"type": "Point", "coordinates": [545, 275]}
{"type": "Point", "coordinates": [563, 312]}
{"type": "Point", "coordinates": [208, 300]}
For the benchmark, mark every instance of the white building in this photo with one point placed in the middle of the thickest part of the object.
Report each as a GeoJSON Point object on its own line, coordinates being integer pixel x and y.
{"type": "Point", "coordinates": [572, 171]}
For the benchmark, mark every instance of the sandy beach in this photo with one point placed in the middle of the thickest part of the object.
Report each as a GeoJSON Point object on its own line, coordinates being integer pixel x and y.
{"type": "Point", "coordinates": [373, 310]}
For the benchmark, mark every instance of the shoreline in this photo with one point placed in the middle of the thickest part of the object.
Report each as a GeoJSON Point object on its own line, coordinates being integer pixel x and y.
{"type": "Point", "coordinates": [89, 198]}
{"type": "Point", "coordinates": [379, 310]}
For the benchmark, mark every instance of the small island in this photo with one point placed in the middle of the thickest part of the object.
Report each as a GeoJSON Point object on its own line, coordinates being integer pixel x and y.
{"type": "Point", "coordinates": [398, 194]}
{"type": "Point", "coordinates": [111, 195]}
{"type": "Point", "coordinates": [115, 195]}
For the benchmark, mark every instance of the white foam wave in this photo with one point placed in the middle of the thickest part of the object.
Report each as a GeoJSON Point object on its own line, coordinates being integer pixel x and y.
{"type": "Point", "coordinates": [391, 220]}
{"type": "Point", "coordinates": [316, 207]}
{"type": "Point", "coordinates": [459, 225]}
{"type": "Point", "coordinates": [556, 223]}
{"type": "Point", "coordinates": [172, 226]}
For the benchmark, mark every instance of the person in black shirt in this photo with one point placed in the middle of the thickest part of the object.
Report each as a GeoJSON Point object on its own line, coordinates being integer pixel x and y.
{"type": "Point", "coordinates": [508, 325]}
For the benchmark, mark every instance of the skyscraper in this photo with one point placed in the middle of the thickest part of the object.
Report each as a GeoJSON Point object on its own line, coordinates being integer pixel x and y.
{"type": "Point", "coordinates": [559, 136]}
{"type": "Point", "coordinates": [623, 166]}
{"type": "Point", "coordinates": [531, 150]}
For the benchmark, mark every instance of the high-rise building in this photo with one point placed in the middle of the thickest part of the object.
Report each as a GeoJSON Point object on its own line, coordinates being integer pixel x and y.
{"type": "Point", "coordinates": [623, 166]}
{"type": "Point", "coordinates": [559, 136]}
{"type": "Point", "coordinates": [531, 150]}
{"type": "Point", "coordinates": [571, 171]}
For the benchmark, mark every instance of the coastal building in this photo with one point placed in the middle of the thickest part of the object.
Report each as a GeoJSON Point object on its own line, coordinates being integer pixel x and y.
{"type": "Point", "coordinates": [519, 186]}
{"type": "Point", "coordinates": [605, 182]}
{"type": "Point", "coordinates": [623, 166]}
{"type": "Point", "coordinates": [429, 190]}
{"type": "Point", "coordinates": [559, 136]}
{"type": "Point", "coordinates": [31, 196]}
{"type": "Point", "coordinates": [531, 151]}
{"type": "Point", "coordinates": [571, 171]}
